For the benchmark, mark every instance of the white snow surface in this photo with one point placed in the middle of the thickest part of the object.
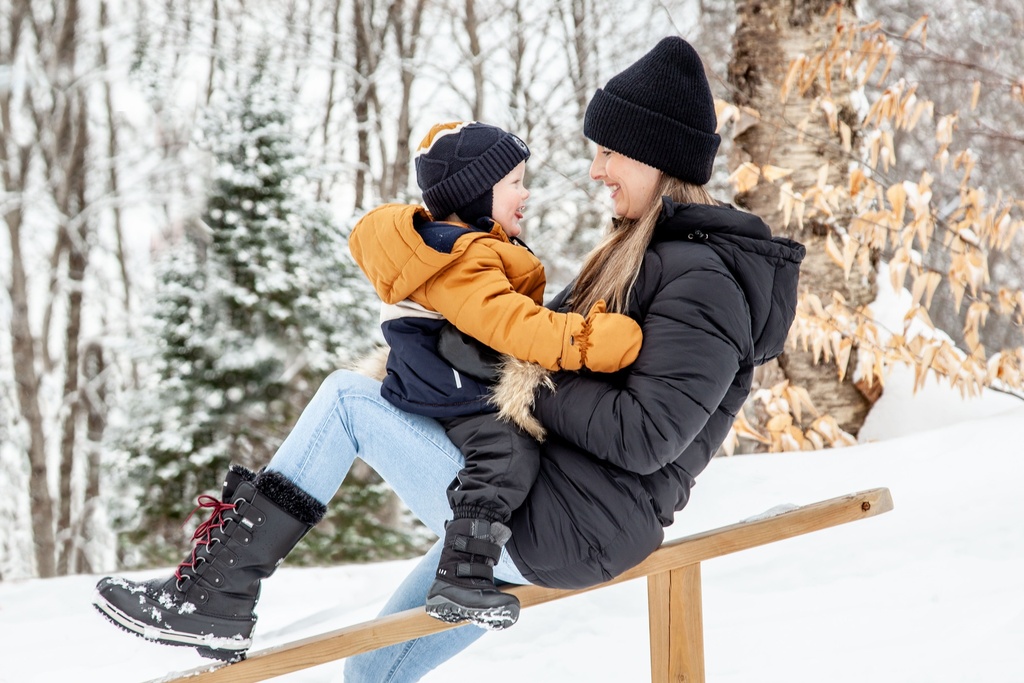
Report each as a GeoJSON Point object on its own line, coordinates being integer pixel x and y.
{"type": "Point", "coordinates": [930, 592]}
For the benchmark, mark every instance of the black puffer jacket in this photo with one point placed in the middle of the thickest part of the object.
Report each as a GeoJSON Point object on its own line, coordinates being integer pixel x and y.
{"type": "Point", "coordinates": [715, 297]}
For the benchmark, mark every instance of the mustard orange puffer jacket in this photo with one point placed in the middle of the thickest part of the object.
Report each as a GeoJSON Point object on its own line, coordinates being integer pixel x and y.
{"type": "Point", "coordinates": [488, 287]}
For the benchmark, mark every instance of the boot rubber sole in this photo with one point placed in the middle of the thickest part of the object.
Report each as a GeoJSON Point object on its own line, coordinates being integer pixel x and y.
{"type": "Point", "coordinates": [491, 618]}
{"type": "Point", "coordinates": [209, 646]}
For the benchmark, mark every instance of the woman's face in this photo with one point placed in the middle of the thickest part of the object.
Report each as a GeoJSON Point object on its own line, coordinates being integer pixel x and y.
{"type": "Point", "coordinates": [633, 184]}
{"type": "Point", "coordinates": [508, 200]}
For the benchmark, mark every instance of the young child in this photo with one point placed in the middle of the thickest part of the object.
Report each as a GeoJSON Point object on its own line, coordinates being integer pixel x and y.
{"type": "Point", "coordinates": [462, 263]}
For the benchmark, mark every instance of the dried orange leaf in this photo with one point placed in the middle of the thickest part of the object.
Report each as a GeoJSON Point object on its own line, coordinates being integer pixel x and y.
{"type": "Point", "coordinates": [745, 177]}
{"type": "Point", "coordinates": [773, 173]}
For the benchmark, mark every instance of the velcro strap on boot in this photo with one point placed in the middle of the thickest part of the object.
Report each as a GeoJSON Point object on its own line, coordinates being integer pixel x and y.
{"type": "Point", "coordinates": [477, 546]}
{"type": "Point", "coordinates": [474, 570]}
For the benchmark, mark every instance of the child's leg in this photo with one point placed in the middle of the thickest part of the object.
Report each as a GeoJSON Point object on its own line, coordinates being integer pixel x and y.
{"type": "Point", "coordinates": [347, 418]}
{"type": "Point", "coordinates": [411, 660]}
{"type": "Point", "coordinates": [502, 462]}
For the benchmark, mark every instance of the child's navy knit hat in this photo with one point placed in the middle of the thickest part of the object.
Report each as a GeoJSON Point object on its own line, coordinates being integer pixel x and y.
{"type": "Point", "coordinates": [659, 111]}
{"type": "Point", "coordinates": [458, 164]}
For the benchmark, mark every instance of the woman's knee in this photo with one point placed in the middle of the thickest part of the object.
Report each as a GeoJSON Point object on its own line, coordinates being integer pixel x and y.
{"type": "Point", "coordinates": [347, 382]}
{"type": "Point", "coordinates": [344, 377]}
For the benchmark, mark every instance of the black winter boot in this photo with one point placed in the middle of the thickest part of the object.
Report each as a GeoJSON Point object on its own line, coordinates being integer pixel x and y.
{"type": "Point", "coordinates": [208, 602]}
{"type": "Point", "coordinates": [463, 589]}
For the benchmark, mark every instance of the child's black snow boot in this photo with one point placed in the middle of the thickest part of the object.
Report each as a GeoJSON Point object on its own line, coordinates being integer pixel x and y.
{"type": "Point", "coordinates": [208, 602]}
{"type": "Point", "coordinates": [463, 589]}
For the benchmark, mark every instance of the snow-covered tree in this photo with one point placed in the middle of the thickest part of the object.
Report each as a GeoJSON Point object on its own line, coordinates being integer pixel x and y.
{"type": "Point", "coordinates": [255, 304]}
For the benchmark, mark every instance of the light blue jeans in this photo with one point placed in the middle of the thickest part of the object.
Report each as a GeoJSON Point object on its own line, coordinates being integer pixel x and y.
{"type": "Point", "coordinates": [347, 418]}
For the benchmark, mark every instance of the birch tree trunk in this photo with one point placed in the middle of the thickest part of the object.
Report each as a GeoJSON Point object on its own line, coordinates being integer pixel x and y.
{"type": "Point", "coordinates": [214, 47]}
{"type": "Point", "coordinates": [113, 177]}
{"type": "Point", "coordinates": [407, 28]}
{"type": "Point", "coordinates": [367, 40]}
{"type": "Point", "coordinates": [323, 185]}
{"type": "Point", "coordinates": [582, 23]}
{"type": "Point", "coordinates": [16, 157]}
{"type": "Point", "coordinates": [770, 33]}
{"type": "Point", "coordinates": [28, 381]}
{"type": "Point", "coordinates": [94, 400]}
{"type": "Point", "coordinates": [78, 260]}
{"type": "Point", "coordinates": [45, 125]}
{"type": "Point", "coordinates": [65, 158]}
{"type": "Point", "coordinates": [471, 22]}
{"type": "Point", "coordinates": [580, 46]}
{"type": "Point", "coordinates": [518, 94]}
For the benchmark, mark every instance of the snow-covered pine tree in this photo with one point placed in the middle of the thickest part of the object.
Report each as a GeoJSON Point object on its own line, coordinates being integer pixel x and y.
{"type": "Point", "coordinates": [253, 308]}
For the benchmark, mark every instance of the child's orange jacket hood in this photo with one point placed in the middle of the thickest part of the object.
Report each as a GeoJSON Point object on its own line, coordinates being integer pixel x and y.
{"type": "Point", "coordinates": [394, 256]}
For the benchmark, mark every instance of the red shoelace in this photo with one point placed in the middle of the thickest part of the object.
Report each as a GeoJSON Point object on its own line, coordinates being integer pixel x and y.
{"type": "Point", "coordinates": [203, 531]}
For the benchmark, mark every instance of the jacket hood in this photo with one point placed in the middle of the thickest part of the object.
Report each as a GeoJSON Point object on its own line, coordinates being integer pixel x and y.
{"type": "Point", "coordinates": [388, 245]}
{"type": "Point", "coordinates": [766, 268]}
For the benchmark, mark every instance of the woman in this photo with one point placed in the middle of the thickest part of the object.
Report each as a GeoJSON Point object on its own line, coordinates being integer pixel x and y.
{"type": "Point", "coordinates": [714, 294]}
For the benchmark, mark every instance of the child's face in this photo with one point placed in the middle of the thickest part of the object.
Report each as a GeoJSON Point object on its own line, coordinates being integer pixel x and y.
{"type": "Point", "coordinates": [509, 200]}
{"type": "Point", "coordinates": [633, 184]}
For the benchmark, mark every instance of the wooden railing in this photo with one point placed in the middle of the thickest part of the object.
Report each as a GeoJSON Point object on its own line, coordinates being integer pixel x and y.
{"type": "Point", "coordinates": [673, 587]}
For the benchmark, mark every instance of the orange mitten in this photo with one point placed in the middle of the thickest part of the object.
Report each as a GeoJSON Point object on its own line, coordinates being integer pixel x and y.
{"type": "Point", "coordinates": [610, 341]}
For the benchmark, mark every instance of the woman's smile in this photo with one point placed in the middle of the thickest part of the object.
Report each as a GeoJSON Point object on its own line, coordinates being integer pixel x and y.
{"type": "Point", "coordinates": [632, 184]}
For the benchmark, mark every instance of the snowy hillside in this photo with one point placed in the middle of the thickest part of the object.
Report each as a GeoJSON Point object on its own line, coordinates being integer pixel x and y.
{"type": "Point", "coordinates": [928, 592]}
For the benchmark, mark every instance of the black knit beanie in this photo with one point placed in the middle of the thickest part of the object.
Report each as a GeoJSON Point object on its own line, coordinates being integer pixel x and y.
{"type": "Point", "coordinates": [458, 164]}
{"type": "Point", "coordinates": [659, 111]}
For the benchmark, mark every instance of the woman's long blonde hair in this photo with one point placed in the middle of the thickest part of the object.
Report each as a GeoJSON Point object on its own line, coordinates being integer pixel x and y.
{"type": "Point", "coordinates": [611, 269]}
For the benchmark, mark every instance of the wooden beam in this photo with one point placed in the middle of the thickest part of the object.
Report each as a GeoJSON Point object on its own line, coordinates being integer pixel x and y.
{"type": "Point", "coordinates": [677, 626]}
{"type": "Point", "coordinates": [734, 538]}
{"type": "Point", "coordinates": [403, 626]}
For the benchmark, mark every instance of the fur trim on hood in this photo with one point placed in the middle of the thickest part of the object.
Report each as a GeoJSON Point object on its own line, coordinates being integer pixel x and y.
{"type": "Point", "coordinates": [373, 364]}
{"type": "Point", "coordinates": [512, 395]}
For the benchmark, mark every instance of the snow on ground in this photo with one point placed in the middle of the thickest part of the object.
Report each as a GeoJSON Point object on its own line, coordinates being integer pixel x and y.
{"type": "Point", "coordinates": [930, 592]}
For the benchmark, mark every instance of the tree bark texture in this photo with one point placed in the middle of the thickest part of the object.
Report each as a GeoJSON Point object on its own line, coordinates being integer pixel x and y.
{"type": "Point", "coordinates": [582, 48]}
{"type": "Point", "coordinates": [28, 384]}
{"type": "Point", "coordinates": [366, 43]}
{"type": "Point", "coordinates": [52, 124]}
{"type": "Point", "coordinates": [407, 29]}
{"type": "Point", "coordinates": [323, 185]}
{"type": "Point", "coordinates": [77, 262]}
{"type": "Point", "coordinates": [472, 24]}
{"type": "Point", "coordinates": [769, 34]}
{"type": "Point", "coordinates": [94, 400]}
{"type": "Point", "coordinates": [16, 158]}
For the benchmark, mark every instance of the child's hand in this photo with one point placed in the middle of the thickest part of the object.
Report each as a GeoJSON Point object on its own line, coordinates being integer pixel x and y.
{"type": "Point", "coordinates": [610, 341]}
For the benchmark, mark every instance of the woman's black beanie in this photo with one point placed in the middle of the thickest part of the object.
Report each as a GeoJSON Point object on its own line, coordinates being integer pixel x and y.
{"type": "Point", "coordinates": [659, 111]}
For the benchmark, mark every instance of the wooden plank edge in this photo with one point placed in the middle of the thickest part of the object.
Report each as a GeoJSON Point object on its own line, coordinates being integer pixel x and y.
{"type": "Point", "coordinates": [414, 623]}
{"type": "Point", "coordinates": [734, 538]}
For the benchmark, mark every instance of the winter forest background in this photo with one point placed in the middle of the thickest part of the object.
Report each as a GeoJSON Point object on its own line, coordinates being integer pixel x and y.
{"type": "Point", "coordinates": [179, 177]}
